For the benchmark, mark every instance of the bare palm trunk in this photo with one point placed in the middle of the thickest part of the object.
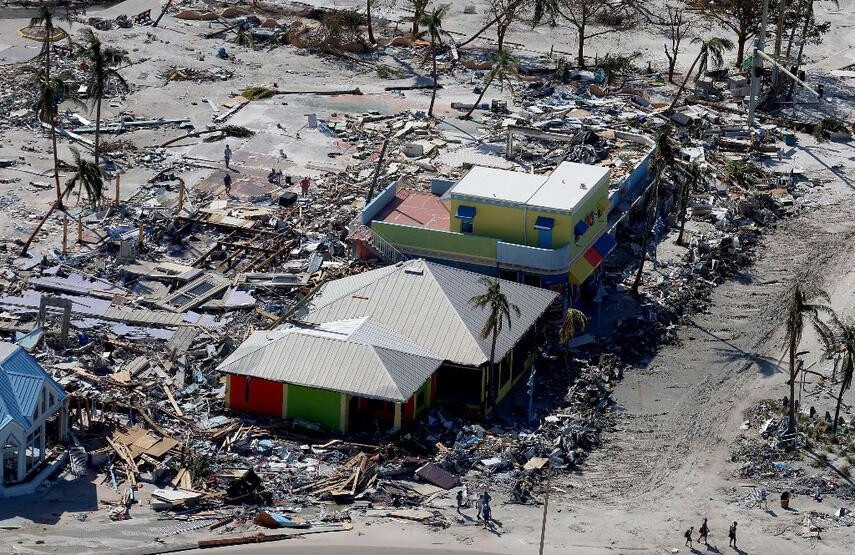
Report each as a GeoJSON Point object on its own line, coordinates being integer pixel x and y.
{"type": "Point", "coordinates": [488, 25]}
{"type": "Point", "coordinates": [370, 25]}
{"type": "Point", "coordinates": [581, 53]}
{"type": "Point", "coordinates": [740, 52]}
{"type": "Point", "coordinates": [684, 204]}
{"type": "Point", "coordinates": [56, 165]}
{"type": "Point", "coordinates": [481, 96]}
{"type": "Point", "coordinates": [97, 130]}
{"type": "Point", "coordinates": [36, 231]}
{"type": "Point", "coordinates": [433, 59]}
{"type": "Point", "coordinates": [837, 410]}
{"type": "Point", "coordinates": [648, 228]}
{"type": "Point", "coordinates": [491, 378]}
{"type": "Point", "coordinates": [685, 80]}
{"type": "Point", "coordinates": [791, 426]}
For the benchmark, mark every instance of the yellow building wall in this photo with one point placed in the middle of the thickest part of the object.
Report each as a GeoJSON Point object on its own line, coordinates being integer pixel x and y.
{"type": "Point", "coordinates": [515, 224]}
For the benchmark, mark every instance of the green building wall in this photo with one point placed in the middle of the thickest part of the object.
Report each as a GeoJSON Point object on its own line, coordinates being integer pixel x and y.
{"type": "Point", "coordinates": [316, 405]}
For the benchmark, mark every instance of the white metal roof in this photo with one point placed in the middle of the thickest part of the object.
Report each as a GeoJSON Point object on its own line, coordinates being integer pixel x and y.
{"type": "Point", "coordinates": [493, 183]}
{"type": "Point", "coordinates": [428, 303]}
{"type": "Point", "coordinates": [564, 189]}
{"type": "Point", "coordinates": [359, 357]}
{"type": "Point", "coordinates": [569, 185]}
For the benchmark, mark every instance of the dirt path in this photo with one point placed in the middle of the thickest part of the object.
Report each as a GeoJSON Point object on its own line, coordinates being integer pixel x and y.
{"type": "Point", "coordinates": [665, 464]}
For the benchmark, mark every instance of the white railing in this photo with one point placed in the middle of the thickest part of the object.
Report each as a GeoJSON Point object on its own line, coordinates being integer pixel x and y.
{"type": "Point", "coordinates": [383, 248]}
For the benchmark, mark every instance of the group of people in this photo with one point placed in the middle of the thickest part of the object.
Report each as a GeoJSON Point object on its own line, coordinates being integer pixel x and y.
{"type": "Point", "coordinates": [275, 176]}
{"type": "Point", "coordinates": [482, 505]}
{"type": "Point", "coordinates": [703, 533]}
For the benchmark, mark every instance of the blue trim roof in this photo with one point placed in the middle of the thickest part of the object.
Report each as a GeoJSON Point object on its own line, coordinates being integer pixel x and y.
{"type": "Point", "coordinates": [22, 379]}
{"type": "Point", "coordinates": [544, 223]}
{"type": "Point", "coordinates": [465, 212]}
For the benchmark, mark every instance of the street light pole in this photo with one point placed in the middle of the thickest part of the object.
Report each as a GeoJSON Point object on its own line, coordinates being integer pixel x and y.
{"type": "Point", "coordinates": [545, 504]}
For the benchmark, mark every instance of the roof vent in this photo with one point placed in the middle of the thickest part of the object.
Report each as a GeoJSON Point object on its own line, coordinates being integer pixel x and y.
{"type": "Point", "coordinates": [414, 270]}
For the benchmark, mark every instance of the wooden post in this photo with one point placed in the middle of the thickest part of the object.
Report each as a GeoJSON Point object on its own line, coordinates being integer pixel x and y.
{"type": "Point", "coordinates": [116, 200]}
{"type": "Point", "coordinates": [545, 505]}
{"type": "Point", "coordinates": [180, 195]}
{"type": "Point", "coordinates": [141, 235]}
{"type": "Point", "coordinates": [80, 229]}
{"type": "Point", "coordinates": [65, 235]}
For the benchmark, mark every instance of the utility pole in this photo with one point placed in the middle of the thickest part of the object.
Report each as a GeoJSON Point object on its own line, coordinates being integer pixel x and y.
{"type": "Point", "coordinates": [545, 504]}
{"type": "Point", "coordinates": [779, 32]}
{"type": "Point", "coordinates": [757, 65]}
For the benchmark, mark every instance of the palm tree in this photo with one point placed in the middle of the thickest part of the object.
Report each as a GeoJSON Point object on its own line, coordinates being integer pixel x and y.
{"type": "Point", "coordinates": [50, 91]}
{"type": "Point", "coordinates": [843, 351]}
{"type": "Point", "coordinates": [805, 306]}
{"type": "Point", "coordinates": [662, 161]}
{"type": "Point", "coordinates": [87, 177]}
{"type": "Point", "coordinates": [504, 66]}
{"type": "Point", "coordinates": [500, 310]}
{"type": "Point", "coordinates": [713, 50]}
{"type": "Point", "coordinates": [574, 322]}
{"type": "Point", "coordinates": [103, 61]}
{"type": "Point", "coordinates": [44, 18]}
{"type": "Point", "coordinates": [433, 21]}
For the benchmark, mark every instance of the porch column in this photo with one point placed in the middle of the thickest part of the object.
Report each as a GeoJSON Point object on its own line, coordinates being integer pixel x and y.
{"type": "Point", "coordinates": [63, 421]}
{"type": "Point", "coordinates": [22, 461]}
{"type": "Point", "coordinates": [42, 443]}
{"type": "Point", "coordinates": [397, 416]}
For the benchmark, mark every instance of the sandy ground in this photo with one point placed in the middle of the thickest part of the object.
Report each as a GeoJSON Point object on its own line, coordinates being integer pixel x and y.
{"type": "Point", "coordinates": [662, 469]}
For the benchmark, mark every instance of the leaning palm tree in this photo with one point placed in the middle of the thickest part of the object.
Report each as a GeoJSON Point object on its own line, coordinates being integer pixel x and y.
{"type": "Point", "coordinates": [87, 177]}
{"type": "Point", "coordinates": [504, 66]}
{"type": "Point", "coordinates": [661, 162]}
{"type": "Point", "coordinates": [499, 311]}
{"type": "Point", "coordinates": [712, 49]}
{"type": "Point", "coordinates": [692, 174]}
{"type": "Point", "coordinates": [432, 20]}
{"type": "Point", "coordinates": [843, 352]}
{"type": "Point", "coordinates": [102, 74]}
{"type": "Point", "coordinates": [51, 90]}
{"type": "Point", "coordinates": [805, 306]}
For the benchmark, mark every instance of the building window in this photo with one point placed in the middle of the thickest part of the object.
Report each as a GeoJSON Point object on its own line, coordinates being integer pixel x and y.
{"type": "Point", "coordinates": [466, 215]}
{"type": "Point", "coordinates": [544, 227]}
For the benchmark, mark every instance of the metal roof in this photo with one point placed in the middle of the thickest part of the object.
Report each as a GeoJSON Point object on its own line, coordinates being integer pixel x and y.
{"type": "Point", "coordinates": [564, 189]}
{"type": "Point", "coordinates": [21, 382]}
{"type": "Point", "coordinates": [569, 185]}
{"type": "Point", "coordinates": [359, 357]}
{"type": "Point", "coordinates": [429, 304]}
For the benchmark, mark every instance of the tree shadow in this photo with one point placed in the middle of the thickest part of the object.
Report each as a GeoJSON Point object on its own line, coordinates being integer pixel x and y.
{"type": "Point", "coordinates": [732, 353]}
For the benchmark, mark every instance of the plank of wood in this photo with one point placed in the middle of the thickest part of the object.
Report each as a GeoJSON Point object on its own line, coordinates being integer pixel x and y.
{"type": "Point", "coordinates": [169, 396]}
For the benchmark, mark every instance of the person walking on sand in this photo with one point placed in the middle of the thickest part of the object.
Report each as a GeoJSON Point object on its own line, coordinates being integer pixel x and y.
{"type": "Point", "coordinates": [304, 186]}
{"type": "Point", "coordinates": [459, 500]}
{"type": "Point", "coordinates": [703, 532]}
{"type": "Point", "coordinates": [465, 493]}
{"type": "Point", "coordinates": [732, 535]}
{"type": "Point", "coordinates": [688, 535]}
{"type": "Point", "coordinates": [227, 181]}
{"type": "Point", "coordinates": [479, 506]}
{"type": "Point", "coordinates": [487, 512]}
{"type": "Point", "coordinates": [227, 155]}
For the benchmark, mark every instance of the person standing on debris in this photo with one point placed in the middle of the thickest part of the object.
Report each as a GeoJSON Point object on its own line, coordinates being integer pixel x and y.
{"type": "Point", "coordinates": [487, 512]}
{"type": "Point", "coordinates": [688, 535]}
{"type": "Point", "coordinates": [304, 186]}
{"type": "Point", "coordinates": [227, 155]}
{"type": "Point", "coordinates": [703, 532]}
{"type": "Point", "coordinates": [732, 535]}
{"type": "Point", "coordinates": [227, 181]}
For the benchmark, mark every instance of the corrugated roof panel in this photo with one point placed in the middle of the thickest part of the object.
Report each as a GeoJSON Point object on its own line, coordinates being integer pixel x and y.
{"type": "Point", "coordinates": [21, 381]}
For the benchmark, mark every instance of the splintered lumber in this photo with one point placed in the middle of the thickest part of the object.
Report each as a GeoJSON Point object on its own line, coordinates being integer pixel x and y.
{"type": "Point", "coordinates": [123, 453]}
{"type": "Point", "coordinates": [261, 537]}
{"type": "Point", "coordinates": [353, 477]}
{"type": "Point", "coordinates": [169, 396]}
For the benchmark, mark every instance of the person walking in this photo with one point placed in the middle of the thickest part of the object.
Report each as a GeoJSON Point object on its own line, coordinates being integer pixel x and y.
{"type": "Point", "coordinates": [459, 500]}
{"type": "Point", "coordinates": [732, 535]}
{"type": "Point", "coordinates": [227, 155]}
{"type": "Point", "coordinates": [703, 532]}
{"type": "Point", "coordinates": [479, 506]}
{"type": "Point", "coordinates": [304, 186]}
{"type": "Point", "coordinates": [227, 181]}
{"type": "Point", "coordinates": [487, 512]}
{"type": "Point", "coordinates": [688, 535]}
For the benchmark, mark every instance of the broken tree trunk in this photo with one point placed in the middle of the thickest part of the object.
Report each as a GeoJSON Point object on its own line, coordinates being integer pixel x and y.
{"type": "Point", "coordinates": [377, 172]}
